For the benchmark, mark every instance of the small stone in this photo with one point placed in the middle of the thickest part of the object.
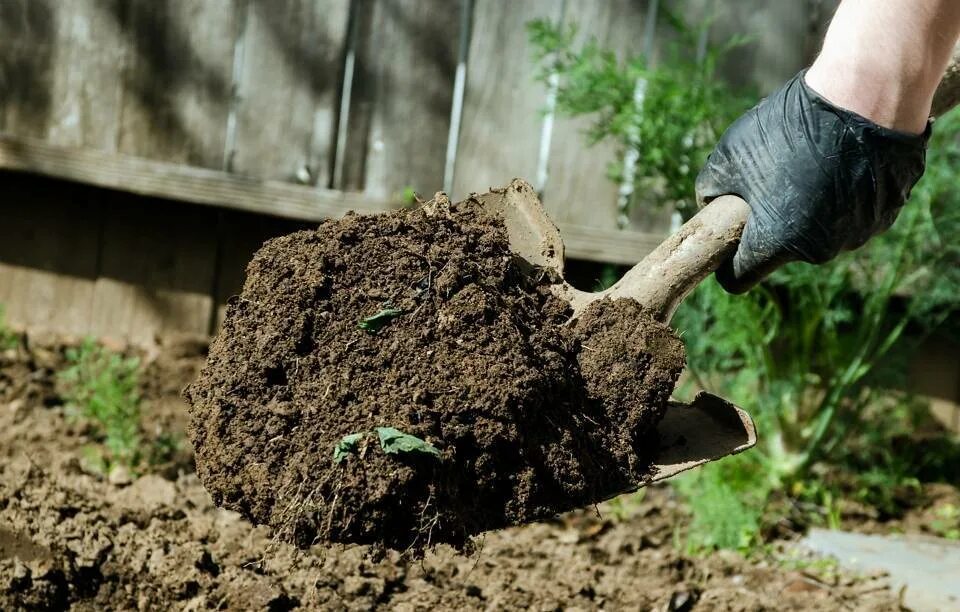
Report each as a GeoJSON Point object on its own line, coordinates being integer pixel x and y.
{"type": "Point", "coordinates": [20, 570]}
{"type": "Point", "coordinates": [682, 601]}
{"type": "Point", "coordinates": [358, 586]}
{"type": "Point", "coordinates": [46, 359]}
{"type": "Point", "coordinates": [803, 585]}
{"type": "Point", "coordinates": [148, 492]}
{"type": "Point", "coordinates": [569, 536]}
{"type": "Point", "coordinates": [119, 476]}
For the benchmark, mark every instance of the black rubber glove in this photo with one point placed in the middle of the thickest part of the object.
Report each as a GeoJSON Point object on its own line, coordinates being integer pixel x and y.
{"type": "Point", "coordinates": [819, 180]}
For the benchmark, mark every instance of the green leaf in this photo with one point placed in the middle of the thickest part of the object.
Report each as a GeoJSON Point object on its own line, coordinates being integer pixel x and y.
{"type": "Point", "coordinates": [393, 442]}
{"type": "Point", "coordinates": [346, 445]}
{"type": "Point", "coordinates": [375, 323]}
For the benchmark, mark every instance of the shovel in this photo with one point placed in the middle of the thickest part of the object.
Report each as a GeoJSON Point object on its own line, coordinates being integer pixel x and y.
{"type": "Point", "coordinates": [709, 427]}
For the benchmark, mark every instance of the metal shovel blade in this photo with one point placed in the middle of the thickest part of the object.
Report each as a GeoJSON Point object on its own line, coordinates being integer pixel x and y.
{"type": "Point", "coordinates": [690, 435]}
{"type": "Point", "coordinates": [707, 429]}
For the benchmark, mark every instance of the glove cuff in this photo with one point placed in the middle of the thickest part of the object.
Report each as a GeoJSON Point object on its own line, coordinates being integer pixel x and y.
{"type": "Point", "coordinates": [858, 121]}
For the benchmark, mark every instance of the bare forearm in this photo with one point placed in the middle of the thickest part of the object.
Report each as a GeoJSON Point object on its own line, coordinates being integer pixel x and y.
{"type": "Point", "coordinates": [883, 59]}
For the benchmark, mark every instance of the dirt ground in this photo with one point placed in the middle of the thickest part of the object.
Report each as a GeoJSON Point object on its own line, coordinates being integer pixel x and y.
{"type": "Point", "coordinates": [69, 539]}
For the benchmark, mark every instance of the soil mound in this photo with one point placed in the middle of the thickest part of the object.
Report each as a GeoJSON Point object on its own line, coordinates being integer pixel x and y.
{"type": "Point", "coordinates": [404, 380]}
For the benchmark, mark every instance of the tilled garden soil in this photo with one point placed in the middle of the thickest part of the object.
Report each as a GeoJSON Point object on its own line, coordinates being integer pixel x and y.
{"type": "Point", "coordinates": [422, 321]}
{"type": "Point", "coordinates": [72, 539]}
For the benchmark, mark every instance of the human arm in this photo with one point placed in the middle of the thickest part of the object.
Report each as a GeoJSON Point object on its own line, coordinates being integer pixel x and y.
{"type": "Point", "coordinates": [883, 59]}
{"type": "Point", "coordinates": [827, 161]}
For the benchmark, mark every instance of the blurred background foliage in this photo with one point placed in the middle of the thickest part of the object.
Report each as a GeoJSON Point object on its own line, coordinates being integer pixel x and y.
{"type": "Point", "coordinates": [816, 354]}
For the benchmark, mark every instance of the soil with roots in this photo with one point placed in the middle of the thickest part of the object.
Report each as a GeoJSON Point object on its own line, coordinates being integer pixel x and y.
{"type": "Point", "coordinates": [516, 416]}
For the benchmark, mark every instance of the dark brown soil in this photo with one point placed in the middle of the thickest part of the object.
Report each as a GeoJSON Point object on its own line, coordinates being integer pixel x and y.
{"type": "Point", "coordinates": [530, 417]}
{"type": "Point", "coordinates": [70, 539]}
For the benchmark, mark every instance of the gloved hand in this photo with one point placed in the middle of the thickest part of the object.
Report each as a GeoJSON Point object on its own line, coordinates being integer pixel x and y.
{"type": "Point", "coordinates": [819, 180]}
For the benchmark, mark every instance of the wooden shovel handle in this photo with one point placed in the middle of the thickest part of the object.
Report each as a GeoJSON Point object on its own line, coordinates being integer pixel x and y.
{"type": "Point", "coordinates": [667, 275]}
{"type": "Point", "coordinates": [671, 271]}
{"type": "Point", "coordinates": [948, 92]}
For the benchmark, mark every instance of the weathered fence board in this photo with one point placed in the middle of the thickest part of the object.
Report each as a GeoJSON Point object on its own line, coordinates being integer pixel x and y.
{"type": "Point", "coordinates": [178, 182]}
{"type": "Point", "coordinates": [27, 42]}
{"type": "Point", "coordinates": [176, 79]}
{"type": "Point", "coordinates": [778, 39]}
{"type": "Point", "coordinates": [400, 112]}
{"type": "Point", "coordinates": [156, 270]}
{"type": "Point", "coordinates": [291, 55]}
{"type": "Point", "coordinates": [86, 88]}
{"type": "Point", "coordinates": [48, 254]}
{"type": "Point", "coordinates": [578, 172]}
{"type": "Point", "coordinates": [500, 135]}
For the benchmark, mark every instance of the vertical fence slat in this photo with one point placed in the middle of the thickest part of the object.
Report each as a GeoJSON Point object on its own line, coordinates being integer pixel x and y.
{"type": "Point", "coordinates": [176, 79]}
{"type": "Point", "coordinates": [67, 60]}
{"type": "Point", "coordinates": [27, 43]}
{"type": "Point", "coordinates": [578, 172]}
{"type": "Point", "coordinates": [157, 258]}
{"type": "Point", "coordinates": [86, 87]}
{"type": "Point", "coordinates": [156, 268]}
{"type": "Point", "coordinates": [400, 112]}
{"type": "Point", "coordinates": [288, 89]}
{"type": "Point", "coordinates": [499, 138]}
{"type": "Point", "coordinates": [776, 50]}
{"type": "Point", "coordinates": [48, 253]}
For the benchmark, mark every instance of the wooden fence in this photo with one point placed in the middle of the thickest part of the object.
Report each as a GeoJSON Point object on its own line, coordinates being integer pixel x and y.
{"type": "Point", "coordinates": [148, 147]}
{"type": "Point", "coordinates": [119, 117]}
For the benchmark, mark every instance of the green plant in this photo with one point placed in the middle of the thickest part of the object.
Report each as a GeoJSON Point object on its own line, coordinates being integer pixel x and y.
{"type": "Point", "coordinates": [623, 507]}
{"type": "Point", "coordinates": [726, 499]}
{"type": "Point", "coordinates": [395, 442]}
{"type": "Point", "coordinates": [392, 441]}
{"type": "Point", "coordinates": [946, 523]}
{"type": "Point", "coordinates": [347, 444]}
{"type": "Point", "coordinates": [683, 111]}
{"type": "Point", "coordinates": [103, 388]}
{"type": "Point", "coordinates": [8, 338]}
{"type": "Point", "coordinates": [811, 348]}
{"type": "Point", "coordinates": [813, 352]}
{"type": "Point", "coordinates": [408, 196]}
{"type": "Point", "coordinates": [378, 321]}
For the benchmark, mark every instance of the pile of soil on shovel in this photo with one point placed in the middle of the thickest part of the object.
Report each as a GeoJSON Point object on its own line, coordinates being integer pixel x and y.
{"type": "Point", "coordinates": [465, 349]}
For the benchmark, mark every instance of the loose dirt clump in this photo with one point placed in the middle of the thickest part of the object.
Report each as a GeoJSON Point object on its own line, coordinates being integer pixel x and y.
{"type": "Point", "coordinates": [425, 322]}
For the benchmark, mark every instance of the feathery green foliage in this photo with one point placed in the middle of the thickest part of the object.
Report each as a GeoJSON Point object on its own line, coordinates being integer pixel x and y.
{"type": "Point", "coordinates": [683, 112]}
{"type": "Point", "coordinates": [103, 387]}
